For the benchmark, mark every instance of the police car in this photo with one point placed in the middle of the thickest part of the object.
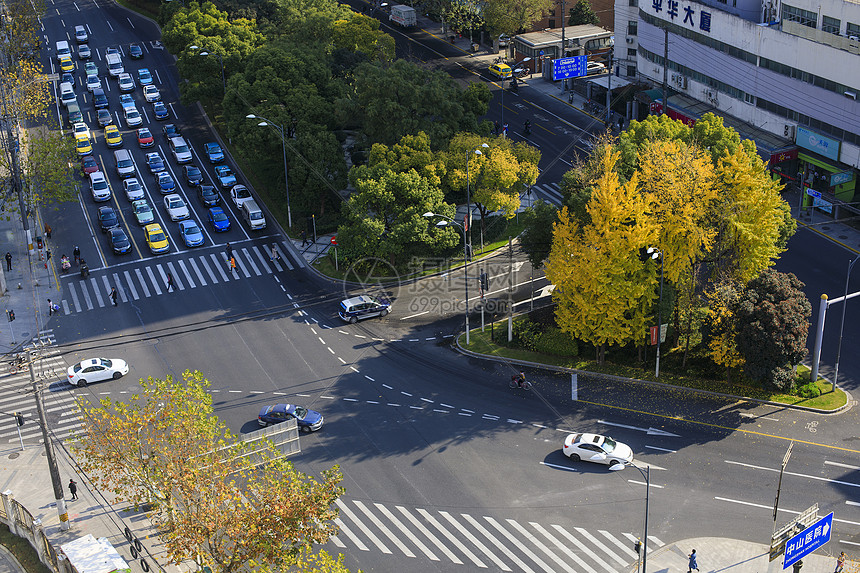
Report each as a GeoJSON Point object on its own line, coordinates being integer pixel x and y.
{"type": "Point", "coordinates": [360, 307]}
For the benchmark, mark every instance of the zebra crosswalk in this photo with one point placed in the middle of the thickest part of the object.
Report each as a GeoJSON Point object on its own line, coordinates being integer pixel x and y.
{"type": "Point", "coordinates": [194, 269]}
{"type": "Point", "coordinates": [16, 395]}
{"type": "Point", "coordinates": [549, 192]}
{"type": "Point", "coordinates": [484, 542]}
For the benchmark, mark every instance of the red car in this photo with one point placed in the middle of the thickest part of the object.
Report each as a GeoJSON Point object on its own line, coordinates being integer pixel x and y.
{"type": "Point", "coordinates": [89, 165]}
{"type": "Point", "coordinates": [144, 137]}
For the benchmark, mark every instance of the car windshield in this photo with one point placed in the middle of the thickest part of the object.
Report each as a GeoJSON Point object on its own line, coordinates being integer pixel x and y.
{"type": "Point", "coordinates": [219, 217]}
{"type": "Point", "coordinates": [241, 193]}
{"type": "Point", "coordinates": [142, 209]}
{"type": "Point", "coordinates": [176, 203]}
{"type": "Point", "coordinates": [156, 237]}
{"type": "Point", "coordinates": [105, 362]}
{"type": "Point", "coordinates": [192, 230]}
{"type": "Point", "coordinates": [609, 445]}
{"type": "Point", "coordinates": [300, 412]}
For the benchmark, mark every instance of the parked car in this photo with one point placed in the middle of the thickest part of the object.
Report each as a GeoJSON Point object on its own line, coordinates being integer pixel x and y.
{"type": "Point", "coordinates": [308, 420]}
{"type": "Point", "coordinates": [93, 82]}
{"type": "Point", "coordinates": [113, 137]}
{"type": "Point", "coordinates": [84, 52]}
{"type": "Point", "coordinates": [105, 118]}
{"type": "Point", "coordinates": [175, 207]}
{"type": "Point", "coordinates": [239, 194]}
{"type": "Point", "coordinates": [91, 69]}
{"type": "Point", "coordinates": [100, 100]}
{"type": "Point", "coordinates": [89, 164]}
{"type": "Point", "coordinates": [81, 36]}
{"type": "Point", "coordinates": [165, 183]}
{"type": "Point", "coordinates": [132, 117]}
{"type": "Point", "coordinates": [155, 162]}
{"type": "Point", "coordinates": [96, 370]}
{"type": "Point", "coordinates": [170, 130]}
{"type": "Point", "coordinates": [501, 71]}
{"type": "Point", "coordinates": [126, 82]}
{"type": "Point", "coordinates": [133, 189]}
{"type": "Point", "coordinates": [156, 239]}
{"type": "Point", "coordinates": [144, 77]}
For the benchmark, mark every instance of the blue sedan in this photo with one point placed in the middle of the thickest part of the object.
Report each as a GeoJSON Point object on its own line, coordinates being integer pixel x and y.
{"type": "Point", "coordinates": [214, 153]}
{"type": "Point", "coordinates": [160, 111]}
{"type": "Point", "coordinates": [191, 233]}
{"type": "Point", "coordinates": [218, 219]}
{"type": "Point", "coordinates": [166, 183]}
{"type": "Point", "coordinates": [144, 77]}
{"type": "Point", "coordinates": [309, 420]}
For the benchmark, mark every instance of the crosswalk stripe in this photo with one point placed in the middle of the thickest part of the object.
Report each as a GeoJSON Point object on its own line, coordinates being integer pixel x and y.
{"type": "Point", "coordinates": [336, 541]}
{"type": "Point", "coordinates": [119, 288]}
{"type": "Point", "coordinates": [86, 294]}
{"type": "Point", "coordinates": [155, 286]}
{"type": "Point", "coordinates": [372, 536]}
{"type": "Point", "coordinates": [241, 263]}
{"type": "Point", "coordinates": [130, 284]}
{"type": "Point", "coordinates": [264, 261]}
{"type": "Point", "coordinates": [596, 542]}
{"type": "Point", "coordinates": [513, 537]}
{"type": "Point", "coordinates": [74, 293]}
{"type": "Point", "coordinates": [405, 531]}
{"type": "Point", "coordinates": [142, 282]}
{"type": "Point", "coordinates": [564, 549]}
{"type": "Point", "coordinates": [177, 280]}
{"type": "Point", "coordinates": [537, 543]}
{"type": "Point", "coordinates": [465, 550]}
{"type": "Point", "coordinates": [511, 555]}
{"type": "Point", "coordinates": [344, 529]}
{"type": "Point", "coordinates": [188, 276]}
{"type": "Point", "coordinates": [200, 278]}
{"type": "Point", "coordinates": [387, 532]}
{"type": "Point", "coordinates": [475, 541]}
{"type": "Point", "coordinates": [66, 309]}
{"type": "Point", "coordinates": [420, 527]}
{"type": "Point", "coordinates": [284, 258]}
{"type": "Point", "coordinates": [205, 264]}
{"type": "Point", "coordinates": [655, 541]}
{"type": "Point", "coordinates": [97, 292]}
{"type": "Point", "coordinates": [107, 284]}
{"type": "Point", "coordinates": [220, 266]}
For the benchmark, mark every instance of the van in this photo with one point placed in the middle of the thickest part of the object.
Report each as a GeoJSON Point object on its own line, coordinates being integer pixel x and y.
{"type": "Point", "coordinates": [124, 164]}
{"type": "Point", "coordinates": [180, 149]}
{"type": "Point", "coordinates": [114, 64]}
{"type": "Point", "coordinates": [75, 114]}
{"type": "Point", "coordinates": [253, 215]}
{"type": "Point", "coordinates": [67, 93]}
{"type": "Point", "coordinates": [63, 49]}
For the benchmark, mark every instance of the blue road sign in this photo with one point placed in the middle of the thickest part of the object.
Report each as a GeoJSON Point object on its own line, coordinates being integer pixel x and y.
{"type": "Point", "coordinates": [813, 192]}
{"type": "Point", "coordinates": [572, 67]}
{"type": "Point", "coordinates": [808, 540]}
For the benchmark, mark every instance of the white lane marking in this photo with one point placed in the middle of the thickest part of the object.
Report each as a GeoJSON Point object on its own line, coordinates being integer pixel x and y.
{"type": "Point", "coordinates": [378, 523]}
{"type": "Point", "coordinates": [564, 549]}
{"type": "Point", "coordinates": [621, 545]}
{"type": "Point", "coordinates": [817, 478]}
{"type": "Point", "coordinates": [142, 282]}
{"type": "Point", "coordinates": [414, 315]}
{"type": "Point", "coordinates": [465, 550]}
{"type": "Point", "coordinates": [369, 378]}
{"type": "Point", "coordinates": [536, 542]}
{"type": "Point", "coordinates": [426, 532]}
{"type": "Point", "coordinates": [643, 483]}
{"type": "Point", "coordinates": [344, 529]}
{"type": "Point", "coordinates": [498, 544]}
{"type": "Point", "coordinates": [348, 512]}
{"type": "Point", "coordinates": [594, 541]}
{"type": "Point", "coordinates": [838, 465]}
{"type": "Point", "coordinates": [746, 415]}
{"type": "Point", "coordinates": [475, 541]}
{"type": "Point", "coordinates": [420, 544]}
{"type": "Point", "coordinates": [662, 449]}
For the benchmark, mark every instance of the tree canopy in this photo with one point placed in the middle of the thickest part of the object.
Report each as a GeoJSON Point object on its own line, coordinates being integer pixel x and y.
{"type": "Point", "coordinates": [511, 16]}
{"type": "Point", "coordinates": [582, 13]}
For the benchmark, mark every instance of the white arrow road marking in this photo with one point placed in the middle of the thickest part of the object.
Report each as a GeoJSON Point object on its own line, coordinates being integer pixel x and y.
{"type": "Point", "coordinates": [650, 431]}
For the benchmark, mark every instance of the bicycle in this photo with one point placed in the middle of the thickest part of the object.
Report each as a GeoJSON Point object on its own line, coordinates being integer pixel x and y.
{"type": "Point", "coordinates": [16, 364]}
{"type": "Point", "coordinates": [518, 381]}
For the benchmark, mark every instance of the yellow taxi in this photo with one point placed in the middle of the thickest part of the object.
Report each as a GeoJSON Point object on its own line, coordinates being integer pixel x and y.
{"type": "Point", "coordinates": [83, 144]}
{"type": "Point", "coordinates": [156, 239]}
{"type": "Point", "coordinates": [113, 137]}
{"type": "Point", "coordinates": [501, 71]}
{"type": "Point", "coordinates": [66, 64]}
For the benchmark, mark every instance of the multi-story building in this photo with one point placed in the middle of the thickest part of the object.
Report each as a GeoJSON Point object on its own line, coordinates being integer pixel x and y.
{"type": "Point", "coordinates": [790, 70]}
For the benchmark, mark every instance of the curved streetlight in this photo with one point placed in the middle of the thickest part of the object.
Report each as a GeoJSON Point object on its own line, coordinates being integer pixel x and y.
{"type": "Point", "coordinates": [444, 223]}
{"type": "Point", "coordinates": [842, 324]}
{"type": "Point", "coordinates": [282, 132]}
{"type": "Point", "coordinates": [647, 475]}
{"type": "Point", "coordinates": [220, 61]}
{"type": "Point", "coordinates": [655, 254]}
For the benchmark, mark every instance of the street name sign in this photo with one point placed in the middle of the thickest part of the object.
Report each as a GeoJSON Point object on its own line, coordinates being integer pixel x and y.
{"type": "Point", "coordinates": [808, 540]}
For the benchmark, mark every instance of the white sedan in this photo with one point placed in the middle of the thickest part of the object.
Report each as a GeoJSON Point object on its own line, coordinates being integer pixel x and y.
{"type": "Point", "coordinates": [176, 207]}
{"type": "Point", "coordinates": [133, 190]}
{"type": "Point", "coordinates": [93, 82]}
{"type": "Point", "coordinates": [132, 117]}
{"type": "Point", "coordinates": [96, 370]}
{"type": "Point", "coordinates": [598, 449]}
{"type": "Point", "coordinates": [151, 93]}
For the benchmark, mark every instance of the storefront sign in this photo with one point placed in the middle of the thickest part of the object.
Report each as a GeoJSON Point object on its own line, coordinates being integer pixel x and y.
{"type": "Point", "coordinates": [821, 144]}
{"type": "Point", "coordinates": [825, 206]}
{"type": "Point", "coordinates": [840, 178]}
{"type": "Point", "coordinates": [675, 10]}
{"type": "Point", "coordinates": [678, 116]}
{"type": "Point", "coordinates": [785, 155]}
{"type": "Point", "coordinates": [573, 67]}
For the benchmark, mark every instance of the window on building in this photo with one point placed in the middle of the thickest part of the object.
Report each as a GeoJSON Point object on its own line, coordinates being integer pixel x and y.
{"type": "Point", "coordinates": [632, 27]}
{"type": "Point", "coordinates": [749, 98]}
{"type": "Point", "coordinates": [633, 2]}
{"type": "Point", "coordinates": [631, 71]}
{"type": "Point", "coordinates": [804, 17]}
{"type": "Point", "coordinates": [831, 25]}
{"type": "Point", "coordinates": [551, 23]}
{"type": "Point", "coordinates": [852, 29]}
{"type": "Point", "coordinates": [631, 52]}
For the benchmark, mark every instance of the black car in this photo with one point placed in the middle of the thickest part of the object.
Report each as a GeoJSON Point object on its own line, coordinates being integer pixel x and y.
{"type": "Point", "coordinates": [67, 77]}
{"type": "Point", "coordinates": [135, 52]}
{"type": "Point", "coordinates": [193, 175]}
{"type": "Point", "coordinates": [107, 219]}
{"type": "Point", "coordinates": [170, 130]}
{"type": "Point", "coordinates": [119, 241]}
{"type": "Point", "coordinates": [208, 195]}
{"type": "Point", "coordinates": [100, 100]}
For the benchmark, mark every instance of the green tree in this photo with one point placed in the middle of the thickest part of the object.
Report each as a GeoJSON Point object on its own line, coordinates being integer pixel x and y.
{"type": "Point", "coordinates": [583, 13]}
{"type": "Point", "coordinates": [536, 238]}
{"type": "Point", "coordinates": [49, 164]}
{"type": "Point", "coordinates": [511, 16]}
{"type": "Point", "coordinates": [772, 321]}
{"type": "Point", "coordinates": [235, 505]}
{"type": "Point", "coordinates": [361, 34]}
{"type": "Point", "coordinates": [604, 292]}
{"type": "Point", "coordinates": [720, 336]}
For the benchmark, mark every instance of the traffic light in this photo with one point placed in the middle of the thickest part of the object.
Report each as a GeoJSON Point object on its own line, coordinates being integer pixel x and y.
{"type": "Point", "coordinates": [485, 281]}
{"type": "Point", "coordinates": [19, 418]}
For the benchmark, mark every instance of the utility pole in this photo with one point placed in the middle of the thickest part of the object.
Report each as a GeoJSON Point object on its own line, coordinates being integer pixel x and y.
{"type": "Point", "coordinates": [563, 24]}
{"type": "Point", "coordinates": [609, 91]}
{"type": "Point", "coordinates": [665, 70]}
{"type": "Point", "coordinates": [510, 290]}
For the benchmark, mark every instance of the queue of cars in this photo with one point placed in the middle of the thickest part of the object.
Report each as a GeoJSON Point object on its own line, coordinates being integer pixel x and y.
{"type": "Point", "coordinates": [174, 204]}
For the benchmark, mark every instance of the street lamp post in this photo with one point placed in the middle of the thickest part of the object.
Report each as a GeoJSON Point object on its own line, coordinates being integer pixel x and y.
{"type": "Point", "coordinates": [654, 252]}
{"type": "Point", "coordinates": [450, 221]}
{"type": "Point", "coordinates": [282, 131]}
{"type": "Point", "coordinates": [220, 61]}
{"type": "Point", "coordinates": [842, 324]}
{"type": "Point", "coordinates": [647, 475]}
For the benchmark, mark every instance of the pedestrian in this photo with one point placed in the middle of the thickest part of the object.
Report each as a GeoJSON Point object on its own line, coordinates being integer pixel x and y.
{"type": "Point", "coordinates": [840, 563]}
{"type": "Point", "coordinates": [275, 255]}
{"type": "Point", "coordinates": [73, 489]}
{"type": "Point", "coordinates": [229, 251]}
{"type": "Point", "coordinates": [304, 238]}
{"type": "Point", "coordinates": [233, 265]}
{"type": "Point", "coordinates": [693, 563]}
{"type": "Point", "coordinates": [113, 295]}
{"type": "Point", "coordinates": [496, 128]}
{"type": "Point", "coordinates": [50, 307]}
{"type": "Point", "coordinates": [8, 261]}
{"type": "Point", "coordinates": [169, 282]}
{"type": "Point", "coordinates": [77, 254]}
{"type": "Point", "coordinates": [48, 231]}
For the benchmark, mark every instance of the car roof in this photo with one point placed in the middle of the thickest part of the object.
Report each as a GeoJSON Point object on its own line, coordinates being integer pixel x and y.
{"type": "Point", "coordinates": [358, 300]}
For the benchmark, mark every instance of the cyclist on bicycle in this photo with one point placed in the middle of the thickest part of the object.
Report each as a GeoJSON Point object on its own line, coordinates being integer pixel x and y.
{"type": "Point", "coordinates": [520, 379]}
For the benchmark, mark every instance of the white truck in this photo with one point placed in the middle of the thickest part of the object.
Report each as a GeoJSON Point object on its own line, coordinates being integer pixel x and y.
{"type": "Point", "coordinates": [403, 16]}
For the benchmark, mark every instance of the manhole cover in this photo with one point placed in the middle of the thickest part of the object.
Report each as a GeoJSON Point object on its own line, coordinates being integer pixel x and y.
{"type": "Point", "coordinates": [25, 335]}
{"type": "Point", "coordinates": [826, 228]}
{"type": "Point", "coordinates": [14, 456]}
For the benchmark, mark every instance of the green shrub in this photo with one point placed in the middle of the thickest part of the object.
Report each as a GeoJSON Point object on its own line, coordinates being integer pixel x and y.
{"type": "Point", "coordinates": [526, 334]}
{"type": "Point", "coordinates": [809, 391]}
{"type": "Point", "coordinates": [554, 341]}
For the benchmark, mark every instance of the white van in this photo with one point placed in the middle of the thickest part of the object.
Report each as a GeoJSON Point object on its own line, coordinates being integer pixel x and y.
{"type": "Point", "coordinates": [67, 93]}
{"type": "Point", "coordinates": [253, 215]}
{"type": "Point", "coordinates": [63, 49]}
{"type": "Point", "coordinates": [114, 64]}
{"type": "Point", "coordinates": [124, 164]}
{"type": "Point", "coordinates": [180, 149]}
